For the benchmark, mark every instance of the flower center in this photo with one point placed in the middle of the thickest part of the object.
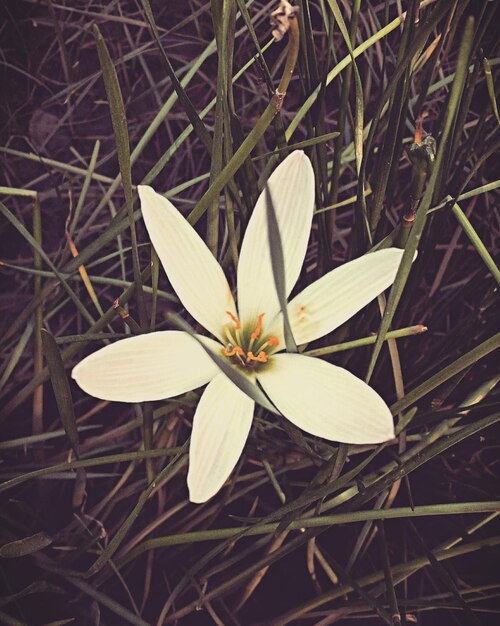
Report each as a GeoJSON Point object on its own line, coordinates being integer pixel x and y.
{"type": "Point", "coordinates": [248, 350]}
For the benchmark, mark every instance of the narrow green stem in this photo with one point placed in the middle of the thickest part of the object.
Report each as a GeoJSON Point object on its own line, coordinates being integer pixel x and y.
{"type": "Point", "coordinates": [317, 522]}
{"type": "Point", "coordinates": [366, 341]}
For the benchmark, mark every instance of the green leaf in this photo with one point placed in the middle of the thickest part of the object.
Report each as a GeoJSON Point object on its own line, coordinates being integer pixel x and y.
{"type": "Point", "coordinates": [28, 545]}
{"type": "Point", "coordinates": [62, 392]}
{"type": "Point", "coordinates": [120, 129]}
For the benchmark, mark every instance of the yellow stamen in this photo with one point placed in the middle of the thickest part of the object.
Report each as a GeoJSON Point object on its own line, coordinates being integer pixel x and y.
{"type": "Point", "coordinates": [235, 320]}
{"type": "Point", "coordinates": [262, 358]}
{"type": "Point", "coordinates": [236, 350]}
{"type": "Point", "coordinates": [258, 328]}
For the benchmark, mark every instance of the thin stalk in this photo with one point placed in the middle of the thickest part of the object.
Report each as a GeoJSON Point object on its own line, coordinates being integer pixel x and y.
{"type": "Point", "coordinates": [37, 416]}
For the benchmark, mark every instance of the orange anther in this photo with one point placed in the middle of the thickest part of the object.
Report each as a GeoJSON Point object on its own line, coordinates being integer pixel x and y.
{"type": "Point", "coordinates": [258, 328]}
{"type": "Point", "coordinates": [233, 351]}
{"type": "Point", "coordinates": [273, 341]}
{"type": "Point", "coordinates": [235, 320]}
{"type": "Point", "coordinates": [262, 358]}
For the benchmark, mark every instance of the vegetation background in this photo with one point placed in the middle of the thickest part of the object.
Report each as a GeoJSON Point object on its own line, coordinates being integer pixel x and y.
{"type": "Point", "coordinates": [96, 525]}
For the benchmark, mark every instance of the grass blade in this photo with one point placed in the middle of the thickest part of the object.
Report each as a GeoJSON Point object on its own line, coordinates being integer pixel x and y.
{"type": "Point", "coordinates": [61, 388]}
{"type": "Point", "coordinates": [421, 217]}
{"type": "Point", "coordinates": [120, 128]}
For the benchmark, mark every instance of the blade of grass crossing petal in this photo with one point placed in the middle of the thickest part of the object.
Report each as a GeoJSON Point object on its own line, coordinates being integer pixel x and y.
{"type": "Point", "coordinates": [34, 244]}
{"type": "Point", "coordinates": [278, 265]}
{"type": "Point", "coordinates": [420, 219]}
{"type": "Point", "coordinates": [120, 129]}
{"type": "Point", "coordinates": [240, 380]}
{"type": "Point", "coordinates": [476, 241]}
{"type": "Point", "coordinates": [61, 389]}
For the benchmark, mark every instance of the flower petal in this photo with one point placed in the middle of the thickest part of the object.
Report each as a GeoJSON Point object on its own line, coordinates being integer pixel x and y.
{"type": "Point", "coordinates": [292, 191]}
{"type": "Point", "coordinates": [338, 295]}
{"type": "Point", "coordinates": [220, 429]}
{"type": "Point", "coordinates": [192, 270]}
{"type": "Point", "coordinates": [146, 367]}
{"type": "Point", "coordinates": [326, 400]}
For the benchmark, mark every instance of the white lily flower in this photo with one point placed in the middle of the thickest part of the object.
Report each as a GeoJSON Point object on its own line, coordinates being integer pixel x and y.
{"type": "Point", "coordinates": [320, 398]}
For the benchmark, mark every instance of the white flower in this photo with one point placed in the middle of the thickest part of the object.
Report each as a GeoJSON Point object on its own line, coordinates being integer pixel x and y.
{"type": "Point", "coordinates": [321, 398]}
